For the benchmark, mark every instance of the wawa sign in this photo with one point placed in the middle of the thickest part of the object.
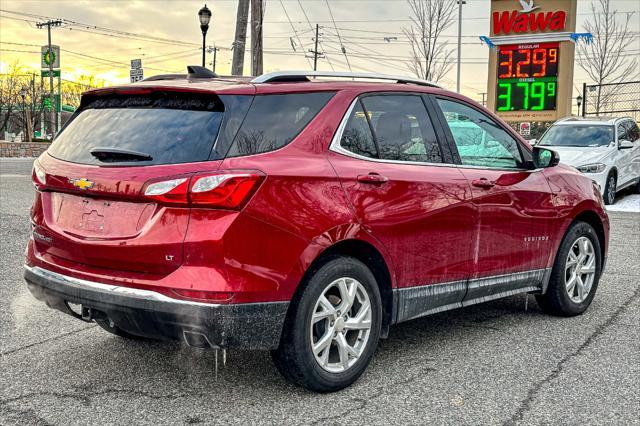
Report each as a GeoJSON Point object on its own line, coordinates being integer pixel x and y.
{"type": "Point", "coordinates": [521, 22]}
{"type": "Point", "coordinates": [515, 17]}
{"type": "Point", "coordinates": [531, 62]}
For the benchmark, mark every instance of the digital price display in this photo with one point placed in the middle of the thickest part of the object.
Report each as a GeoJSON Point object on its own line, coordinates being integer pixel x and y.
{"type": "Point", "coordinates": [527, 77]}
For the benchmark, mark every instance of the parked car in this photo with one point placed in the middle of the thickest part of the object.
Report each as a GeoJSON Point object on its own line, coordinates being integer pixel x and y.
{"type": "Point", "coordinates": [604, 148]}
{"type": "Point", "coordinates": [301, 216]}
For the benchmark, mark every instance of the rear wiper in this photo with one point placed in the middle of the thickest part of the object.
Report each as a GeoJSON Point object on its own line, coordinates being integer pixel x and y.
{"type": "Point", "coordinates": [118, 154]}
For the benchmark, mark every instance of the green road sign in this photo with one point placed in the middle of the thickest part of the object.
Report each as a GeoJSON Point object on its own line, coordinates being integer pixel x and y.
{"type": "Point", "coordinates": [45, 73]}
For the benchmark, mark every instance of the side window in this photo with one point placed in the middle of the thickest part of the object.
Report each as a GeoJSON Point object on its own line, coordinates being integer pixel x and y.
{"type": "Point", "coordinates": [357, 136]}
{"type": "Point", "coordinates": [275, 120]}
{"type": "Point", "coordinates": [402, 129]}
{"type": "Point", "coordinates": [480, 140]}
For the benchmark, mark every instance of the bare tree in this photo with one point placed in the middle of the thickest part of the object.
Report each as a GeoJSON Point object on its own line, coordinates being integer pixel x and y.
{"type": "Point", "coordinates": [607, 58]}
{"type": "Point", "coordinates": [430, 55]}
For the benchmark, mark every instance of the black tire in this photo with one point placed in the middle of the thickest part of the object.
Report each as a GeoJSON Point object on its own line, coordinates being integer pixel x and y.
{"type": "Point", "coordinates": [108, 326]}
{"type": "Point", "coordinates": [609, 194]}
{"type": "Point", "coordinates": [294, 357]}
{"type": "Point", "coordinates": [556, 301]}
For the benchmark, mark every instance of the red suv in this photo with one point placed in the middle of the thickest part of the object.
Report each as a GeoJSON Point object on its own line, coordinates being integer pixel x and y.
{"type": "Point", "coordinates": [303, 216]}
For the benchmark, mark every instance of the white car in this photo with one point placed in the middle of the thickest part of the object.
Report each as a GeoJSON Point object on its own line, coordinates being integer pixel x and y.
{"type": "Point", "coordinates": [605, 149]}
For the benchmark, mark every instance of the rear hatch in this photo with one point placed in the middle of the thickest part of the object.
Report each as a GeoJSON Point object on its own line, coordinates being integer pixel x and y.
{"type": "Point", "coordinates": [91, 207]}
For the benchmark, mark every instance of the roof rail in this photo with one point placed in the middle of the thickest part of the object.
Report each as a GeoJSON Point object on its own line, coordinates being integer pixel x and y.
{"type": "Point", "coordinates": [294, 76]}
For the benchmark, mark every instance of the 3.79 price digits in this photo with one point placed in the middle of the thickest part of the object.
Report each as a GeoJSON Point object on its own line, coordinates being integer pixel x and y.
{"type": "Point", "coordinates": [526, 95]}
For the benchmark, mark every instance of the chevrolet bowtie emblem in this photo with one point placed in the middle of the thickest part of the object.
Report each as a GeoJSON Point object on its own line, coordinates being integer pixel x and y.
{"type": "Point", "coordinates": [81, 183]}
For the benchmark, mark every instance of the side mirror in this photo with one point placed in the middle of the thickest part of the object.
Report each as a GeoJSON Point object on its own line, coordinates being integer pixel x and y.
{"type": "Point", "coordinates": [625, 144]}
{"type": "Point", "coordinates": [533, 142]}
{"type": "Point", "coordinates": [543, 157]}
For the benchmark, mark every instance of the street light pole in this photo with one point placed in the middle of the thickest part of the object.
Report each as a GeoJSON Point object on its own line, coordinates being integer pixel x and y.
{"type": "Point", "coordinates": [460, 3]}
{"type": "Point", "coordinates": [52, 112]}
{"type": "Point", "coordinates": [23, 95]}
{"type": "Point", "coordinates": [579, 102]}
{"type": "Point", "coordinates": [204, 15]}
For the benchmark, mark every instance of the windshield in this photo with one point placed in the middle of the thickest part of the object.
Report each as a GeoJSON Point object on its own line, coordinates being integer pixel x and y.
{"type": "Point", "coordinates": [584, 136]}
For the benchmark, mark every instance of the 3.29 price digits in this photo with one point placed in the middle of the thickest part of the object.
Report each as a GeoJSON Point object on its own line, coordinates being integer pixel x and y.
{"type": "Point", "coordinates": [528, 62]}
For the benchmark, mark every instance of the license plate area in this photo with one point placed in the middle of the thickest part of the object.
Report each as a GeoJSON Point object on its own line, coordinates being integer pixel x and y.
{"type": "Point", "coordinates": [87, 217]}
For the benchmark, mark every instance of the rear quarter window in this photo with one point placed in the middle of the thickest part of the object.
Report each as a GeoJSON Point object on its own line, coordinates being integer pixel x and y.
{"type": "Point", "coordinates": [275, 120]}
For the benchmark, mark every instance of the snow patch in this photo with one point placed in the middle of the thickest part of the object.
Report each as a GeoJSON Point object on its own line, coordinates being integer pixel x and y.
{"type": "Point", "coordinates": [630, 203]}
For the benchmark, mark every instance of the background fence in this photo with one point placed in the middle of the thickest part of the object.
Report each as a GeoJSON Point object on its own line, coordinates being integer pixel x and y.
{"type": "Point", "coordinates": [612, 99]}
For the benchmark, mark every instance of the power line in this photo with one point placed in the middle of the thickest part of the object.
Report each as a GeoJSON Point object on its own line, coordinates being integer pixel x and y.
{"type": "Point", "coordinates": [294, 31]}
{"type": "Point", "coordinates": [344, 51]}
{"type": "Point", "coordinates": [311, 26]}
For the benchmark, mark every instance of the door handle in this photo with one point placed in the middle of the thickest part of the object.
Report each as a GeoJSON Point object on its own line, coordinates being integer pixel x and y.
{"type": "Point", "coordinates": [373, 178]}
{"type": "Point", "coordinates": [483, 183]}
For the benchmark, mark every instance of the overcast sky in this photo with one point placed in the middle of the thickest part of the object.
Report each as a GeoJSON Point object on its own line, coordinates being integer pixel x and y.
{"type": "Point", "coordinates": [361, 24]}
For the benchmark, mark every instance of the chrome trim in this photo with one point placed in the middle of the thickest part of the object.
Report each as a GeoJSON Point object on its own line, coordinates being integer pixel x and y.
{"type": "Point", "coordinates": [112, 289]}
{"type": "Point", "coordinates": [269, 77]}
{"type": "Point", "coordinates": [337, 148]}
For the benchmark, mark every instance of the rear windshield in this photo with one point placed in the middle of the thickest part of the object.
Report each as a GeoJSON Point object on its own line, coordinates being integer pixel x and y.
{"type": "Point", "coordinates": [158, 129]}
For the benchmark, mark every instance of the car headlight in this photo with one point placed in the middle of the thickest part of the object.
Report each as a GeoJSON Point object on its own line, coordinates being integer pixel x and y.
{"type": "Point", "coordinates": [592, 168]}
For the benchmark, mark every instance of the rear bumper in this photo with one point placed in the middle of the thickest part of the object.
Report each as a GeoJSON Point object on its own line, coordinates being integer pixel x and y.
{"type": "Point", "coordinates": [150, 314]}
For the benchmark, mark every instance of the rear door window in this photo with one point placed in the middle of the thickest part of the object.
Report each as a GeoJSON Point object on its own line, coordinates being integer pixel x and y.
{"type": "Point", "coordinates": [402, 128]}
{"type": "Point", "coordinates": [275, 120]}
{"type": "Point", "coordinates": [166, 129]}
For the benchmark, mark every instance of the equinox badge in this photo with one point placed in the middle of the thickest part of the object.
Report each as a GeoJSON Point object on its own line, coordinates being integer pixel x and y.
{"type": "Point", "coordinates": [81, 183]}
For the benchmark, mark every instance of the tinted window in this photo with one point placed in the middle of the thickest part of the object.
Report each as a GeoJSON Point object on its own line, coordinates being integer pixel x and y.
{"type": "Point", "coordinates": [480, 140]}
{"type": "Point", "coordinates": [578, 135]}
{"type": "Point", "coordinates": [357, 136]}
{"type": "Point", "coordinates": [402, 129]}
{"type": "Point", "coordinates": [168, 129]}
{"type": "Point", "coordinates": [274, 120]}
{"type": "Point", "coordinates": [633, 133]}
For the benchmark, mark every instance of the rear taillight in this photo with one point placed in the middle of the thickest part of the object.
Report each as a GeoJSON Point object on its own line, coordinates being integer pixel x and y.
{"type": "Point", "coordinates": [168, 191]}
{"type": "Point", "coordinates": [228, 189]}
{"type": "Point", "coordinates": [38, 175]}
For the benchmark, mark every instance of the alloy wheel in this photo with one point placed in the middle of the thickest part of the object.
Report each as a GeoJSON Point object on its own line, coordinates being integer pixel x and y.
{"type": "Point", "coordinates": [580, 270]}
{"type": "Point", "coordinates": [611, 190]}
{"type": "Point", "coordinates": [340, 325]}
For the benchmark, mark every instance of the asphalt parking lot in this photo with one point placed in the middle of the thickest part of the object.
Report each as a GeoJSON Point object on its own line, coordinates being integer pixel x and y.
{"type": "Point", "coordinates": [497, 363]}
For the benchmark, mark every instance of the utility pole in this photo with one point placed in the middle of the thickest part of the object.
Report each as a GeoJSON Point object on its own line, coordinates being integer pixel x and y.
{"type": "Point", "coordinates": [240, 40]}
{"type": "Point", "coordinates": [256, 36]}
{"type": "Point", "coordinates": [315, 49]}
{"type": "Point", "coordinates": [52, 113]}
{"type": "Point", "coordinates": [460, 3]}
{"type": "Point", "coordinates": [215, 52]}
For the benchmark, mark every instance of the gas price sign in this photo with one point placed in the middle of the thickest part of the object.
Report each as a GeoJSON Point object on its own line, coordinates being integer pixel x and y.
{"type": "Point", "coordinates": [527, 77]}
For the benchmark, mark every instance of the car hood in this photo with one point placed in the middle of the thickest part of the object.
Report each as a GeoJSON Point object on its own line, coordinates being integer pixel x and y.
{"type": "Point", "coordinates": [578, 156]}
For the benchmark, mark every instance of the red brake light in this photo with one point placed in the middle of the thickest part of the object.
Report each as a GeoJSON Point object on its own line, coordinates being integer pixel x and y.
{"type": "Point", "coordinates": [226, 189]}
{"type": "Point", "coordinates": [38, 175]}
